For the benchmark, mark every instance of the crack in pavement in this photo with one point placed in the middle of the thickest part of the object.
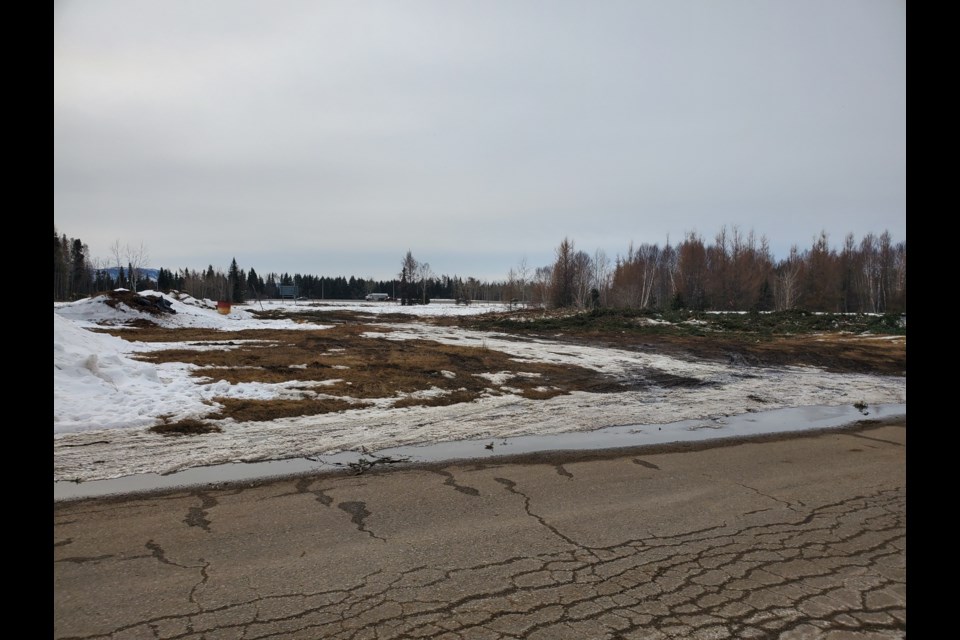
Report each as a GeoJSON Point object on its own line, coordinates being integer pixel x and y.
{"type": "Point", "coordinates": [807, 570]}
{"type": "Point", "coordinates": [202, 583]}
{"type": "Point", "coordinates": [452, 482]}
{"type": "Point", "coordinates": [562, 471]}
{"type": "Point", "coordinates": [157, 552]}
{"type": "Point", "coordinates": [865, 437]}
{"type": "Point", "coordinates": [303, 486]}
{"type": "Point", "coordinates": [786, 503]}
{"type": "Point", "coordinates": [197, 516]}
{"type": "Point", "coordinates": [83, 559]}
{"type": "Point", "coordinates": [512, 488]}
{"type": "Point", "coordinates": [358, 516]}
{"type": "Point", "coordinates": [746, 581]}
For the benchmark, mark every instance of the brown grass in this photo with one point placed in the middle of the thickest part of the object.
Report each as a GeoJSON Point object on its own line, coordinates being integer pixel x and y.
{"type": "Point", "coordinates": [834, 352]}
{"type": "Point", "coordinates": [354, 367]}
{"type": "Point", "coordinates": [188, 427]}
{"type": "Point", "coordinates": [456, 397]}
{"type": "Point", "coordinates": [266, 410]}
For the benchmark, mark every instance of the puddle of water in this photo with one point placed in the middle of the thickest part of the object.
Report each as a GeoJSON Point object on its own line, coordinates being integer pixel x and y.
{"type": "Point", "coordinates": [748, 424]}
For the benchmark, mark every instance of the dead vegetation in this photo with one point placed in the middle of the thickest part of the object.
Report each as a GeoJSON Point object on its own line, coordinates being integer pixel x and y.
{"type": "Point", "coordinates": [266, 410]}
{"type": "Point", "coordinates": [340, 369]}
{"type": "Point", "coordinates": [188, 427]}
{"type": "Point", "coordinates": [836, 352]}
{"type": "Point", "coordinates": [839, 343]}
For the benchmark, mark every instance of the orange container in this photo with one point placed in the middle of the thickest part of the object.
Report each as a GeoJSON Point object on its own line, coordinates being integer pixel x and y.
{"type": "Point", "coordinates": [223, 306]}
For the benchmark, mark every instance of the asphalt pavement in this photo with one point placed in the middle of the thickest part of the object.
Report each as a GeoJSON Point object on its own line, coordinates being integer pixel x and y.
{"type": "Point", "coordinates": [795, 537]}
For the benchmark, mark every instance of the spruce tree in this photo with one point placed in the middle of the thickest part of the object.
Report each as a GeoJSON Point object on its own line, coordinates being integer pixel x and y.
{"type": "Point", "coordinates": [236, 282]}
{"type": "Point", "coordinates": [253, 283]}
{"type": "Point", "coordinates": [79, 276]}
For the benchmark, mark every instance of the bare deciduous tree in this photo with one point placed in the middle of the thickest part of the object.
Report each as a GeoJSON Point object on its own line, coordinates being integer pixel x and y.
{"type": "Point", "coordinates": [692, 272]}
{"type": "Point", "coordinates": [542, 286]}
{"type": "Point", "coordinates": [137, 260]}
{"type": "Point", "coordinates": [786, 289]}
{"type": "Point", "coordinates": [635, 276]}
{"type": "Point", "coordinates": [408, 270]}
{"type": "Point", "coordinates": [582, 279]}
{"type": "Point", "coordinates": [135, 257]}
{"type": "Point", "coordinates": [562, 281]}
{"type": "Point", "coordinates": [600, 268]}
{"type": "Point", "coordinates": [424, 274]}
{"type": "Point", "coordinates": [523, 276]}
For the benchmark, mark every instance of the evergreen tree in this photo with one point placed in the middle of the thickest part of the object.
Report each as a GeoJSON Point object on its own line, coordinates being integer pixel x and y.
{"type": "Point", "coordinates": [564, 276]}
{"type": "Point", "coordinates": [61, 271]}
{"type": "Point", "coordinates": [765, 301]}
{"type": "Point", "coordinates": [270, 289]}
{"type": "Point", "coordinates": [254, 285]}
{"type": "Point", "coordinates": [236, 282]}
{"type": "Point", "coordinates": [102, 281]}
{"type": "Point", "coordinates": [79, 275]}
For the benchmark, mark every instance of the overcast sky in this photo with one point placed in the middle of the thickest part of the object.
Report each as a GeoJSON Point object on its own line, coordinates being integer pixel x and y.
{"type": "Point", "coordinates": [329, 137]}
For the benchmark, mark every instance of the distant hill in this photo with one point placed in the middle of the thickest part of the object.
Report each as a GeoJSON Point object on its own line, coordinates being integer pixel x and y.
{"type": "Point", "coordinates": [144, 273]}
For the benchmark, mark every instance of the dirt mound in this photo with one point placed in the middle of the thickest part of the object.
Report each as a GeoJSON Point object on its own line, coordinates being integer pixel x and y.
{"type": "Point", "coordinates": [153, 304]}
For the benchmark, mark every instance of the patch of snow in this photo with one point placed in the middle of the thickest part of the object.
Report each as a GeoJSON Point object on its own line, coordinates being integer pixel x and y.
{"type": "Point", "coordinates": [499, 378]}
{"type": "Point", "coordinates": [432, 392]}
{"type": "Point", "coordinates": [104, 399]}
{"type": "Point", "coordinates": [652, 321]}
{"type": "Point", "coordinates": [190, 312]}
{"type": "Point", "coordinates": [436, 308]}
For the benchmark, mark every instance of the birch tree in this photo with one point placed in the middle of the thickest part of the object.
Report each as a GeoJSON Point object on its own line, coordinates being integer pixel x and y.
{"type": "Point", "coordinates": [786, 289]}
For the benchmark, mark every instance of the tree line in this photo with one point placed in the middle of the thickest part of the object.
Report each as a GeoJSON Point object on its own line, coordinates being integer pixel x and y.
{"type": "Point", "coordinates": [77, 275]}
{"type": "Point", "coordinates": [734, 272]}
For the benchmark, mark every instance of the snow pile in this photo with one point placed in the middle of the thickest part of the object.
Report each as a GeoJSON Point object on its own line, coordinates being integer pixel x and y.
{"type": "Point", "coordinates": [189, 312]}
{"type": "Point", "coordinates": [94, 381]}
{"type": "Point", "coordinates": [97, 384]}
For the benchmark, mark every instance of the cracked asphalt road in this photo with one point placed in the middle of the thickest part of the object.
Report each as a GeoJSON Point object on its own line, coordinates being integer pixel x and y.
{"type": "Point", "coordinates": [801, 537]}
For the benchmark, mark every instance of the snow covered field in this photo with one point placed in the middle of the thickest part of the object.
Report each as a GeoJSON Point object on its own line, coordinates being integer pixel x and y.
{"type": "Point", "coordinates": [104, 400]}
